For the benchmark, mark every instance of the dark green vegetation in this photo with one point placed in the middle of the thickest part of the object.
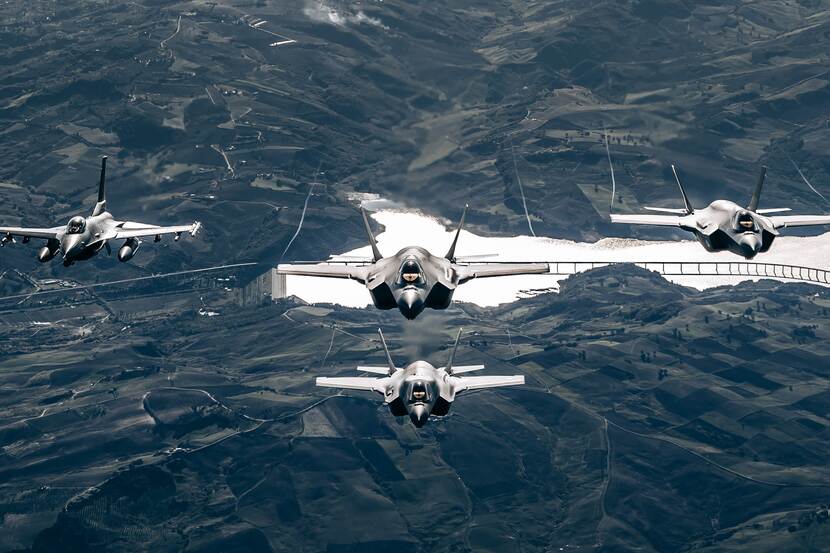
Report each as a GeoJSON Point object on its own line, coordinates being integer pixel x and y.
{"type": "Point", "coordinates": [655, 418]}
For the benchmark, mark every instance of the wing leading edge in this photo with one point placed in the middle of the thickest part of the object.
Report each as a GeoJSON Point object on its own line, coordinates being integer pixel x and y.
{"type": "Point", "coordinates": [784, 221]}
{"type": "Point", "coordinates": [481, 382]}
{"type": "Point", "coordinates": [325, 270]}
{"type": "Point", "coordinates": [659, 220]}
{"type": "Point", "coordinates": [139, 230]}
{"type": "Point", "coordinates": [353, 383]}
{"type": "Point", "coordinates": [32, 232]}
{"type": "Point", "coordinates": [470, 271]}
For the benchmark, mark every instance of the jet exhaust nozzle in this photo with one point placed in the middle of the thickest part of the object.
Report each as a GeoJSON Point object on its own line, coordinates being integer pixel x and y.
{"type": "Point", "coordinates": [127, 251]}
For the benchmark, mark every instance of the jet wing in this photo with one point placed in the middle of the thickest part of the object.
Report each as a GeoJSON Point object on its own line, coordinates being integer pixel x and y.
{"type": "Point", "coordinates": [470, 271]}
{"type": "Point", "coordinates": [326, 270]}
{"type": "Point", "coordinates": [784, 221]}
{"type": "Point", "coordinates": [32, 232]}
{"type": "Point", "coordinates": [138, 230]}
{"type": "Point", "coordinates": [353, 383]}
{"type": "Point", "coordinates": [479, 382]}
{"type": "Point", "coordinates": [659, 220]}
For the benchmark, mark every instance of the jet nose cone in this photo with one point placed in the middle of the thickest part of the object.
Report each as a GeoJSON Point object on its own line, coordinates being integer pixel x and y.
{"type": "Point", "coordinates": [419, 415]}
{"type": "Point", "coordinates": [750, 245]}
{"type": "Point", "coordinates": [70, 245]}
{"type": "Point", "coordinates": [410, 303]}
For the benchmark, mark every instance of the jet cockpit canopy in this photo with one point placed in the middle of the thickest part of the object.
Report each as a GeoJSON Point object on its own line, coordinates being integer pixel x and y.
{"type": "Point", "coordinates": [76, 225]}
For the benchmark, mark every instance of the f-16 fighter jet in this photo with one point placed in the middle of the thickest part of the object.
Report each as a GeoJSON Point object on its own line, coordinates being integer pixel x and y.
{"type": "Point", "coordinates": [725, 225]}
{"type": "Point", "coordinates": [413, 279]}
{"type": "Point", "coordinates": [420, 390]}
{"type": "Point", "coordinates": [83, 237]}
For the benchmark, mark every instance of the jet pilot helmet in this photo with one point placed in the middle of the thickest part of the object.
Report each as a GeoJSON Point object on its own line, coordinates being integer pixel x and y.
{"type": "Point", "coordinates": [419, 393]}
{"type": "Point", "coordinates": [76, 225]}
{"type": "Point", "coordinates": [410, 272]}
{"type": "Point", "coordinates": [744, 222]}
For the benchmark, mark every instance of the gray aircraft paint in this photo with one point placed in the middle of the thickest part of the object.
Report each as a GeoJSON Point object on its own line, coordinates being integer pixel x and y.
{"type": "Point", "coordinates": [420, 390]}
{"type": "Point", "coordinates": [83, 237]}
{"type": "Point", "coordinates": [724, 225]}
{"type": "Point", "coordinates": [413, 279]}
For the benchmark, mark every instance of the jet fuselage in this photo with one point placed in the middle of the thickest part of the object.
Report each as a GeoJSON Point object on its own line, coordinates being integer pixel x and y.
{"type": "Point", "coordinates": [725, 226]}
{"type": "Point", "coordinates": [81, 239]}
{"type": "Point", "coordinates": [412, 280]}
{"type": "Point", "coordinates": [419, 391]}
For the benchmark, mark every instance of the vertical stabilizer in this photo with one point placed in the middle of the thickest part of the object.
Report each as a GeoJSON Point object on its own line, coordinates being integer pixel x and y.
{"type": "Point", "coordinates": [375, 251]}
{"type": "Point", "coordinates": [391, 363]}
{"type": "Point", "coordinates": [756, 195]}
{"type": "Point", "coordinates": [101, 206]}
{"type": "Point", "coordinates": [451, 254]}
{"type": "Point", "coordinates": [452, 351]}
{"type": "Point", "coordinates": [686, 202]}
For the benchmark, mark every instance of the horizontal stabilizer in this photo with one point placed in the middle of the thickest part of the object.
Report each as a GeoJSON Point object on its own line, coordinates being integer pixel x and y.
{"type": "Point", "coordinates": [374, 370]}
{"type": "Point", "coordinates": [469, 258]}
{"type": "Point", "coordinates": [466, 369]}
{"type": "Point", "coordinates": [350, 259]}
{"type": "Point", "coordinates": [676, 211]}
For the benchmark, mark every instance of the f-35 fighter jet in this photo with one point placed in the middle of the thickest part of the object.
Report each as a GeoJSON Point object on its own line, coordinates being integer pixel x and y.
{"type": "Point", "coordinates": [83, 237]}
{"type": "Point", "coordinates": [420, 390]}
{"type": "Point", "coordinates": [725, 225]}
{"type": "Point", "coordinates": [413, 279]}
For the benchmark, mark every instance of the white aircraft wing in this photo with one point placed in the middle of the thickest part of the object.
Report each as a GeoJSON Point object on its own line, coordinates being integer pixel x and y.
{"type": "Point", "coordinates": [139, 230]}
{"type": "Point", "coordinates": [326, 270]}
{"type": "Point", "coordinates": [659, 220]}
{"type": "Point", "coordinates": [470, 271]}
{"type": "Point", "coordinates": [32, 232]}
{"type": "Point", "coordinates": [354, 383]}
{"type": "Point", "coordinates": [479, 382]}
{"type": "Point", "coordinates": [784, 221]}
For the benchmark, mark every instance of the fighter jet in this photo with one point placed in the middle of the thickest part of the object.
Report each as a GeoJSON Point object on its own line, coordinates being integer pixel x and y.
{"type": "Point", "coordinates": [84, 237]}
{"type": "Point", "coordinates": [725, 225]}
{"type": "Point", "coordinates": [420, 390]}
{"type": "Point", "coordinates": [413, 279]}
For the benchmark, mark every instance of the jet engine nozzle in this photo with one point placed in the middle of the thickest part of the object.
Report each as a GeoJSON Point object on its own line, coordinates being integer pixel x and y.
{"type": "Point", "coordinates": [127, 251]}
{"type": "Point", "coordinates": [410, 303]}
{"type": "Point", "coordinates": [419, 415]}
